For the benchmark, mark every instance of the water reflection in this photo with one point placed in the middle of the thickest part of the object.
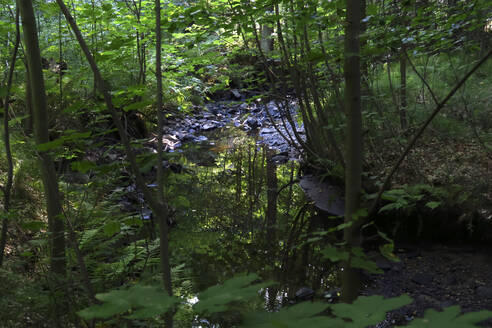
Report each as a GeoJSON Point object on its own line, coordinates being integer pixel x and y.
{"type": "Point", "coordinates": [244, 213]}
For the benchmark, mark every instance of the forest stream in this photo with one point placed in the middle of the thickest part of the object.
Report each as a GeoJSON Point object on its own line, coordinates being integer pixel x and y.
{"type": "Point", "coordinates": [235, 182]}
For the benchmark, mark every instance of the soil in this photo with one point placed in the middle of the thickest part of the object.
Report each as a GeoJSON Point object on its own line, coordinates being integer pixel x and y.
{"type": "Point", "coordinates": [435, 276]}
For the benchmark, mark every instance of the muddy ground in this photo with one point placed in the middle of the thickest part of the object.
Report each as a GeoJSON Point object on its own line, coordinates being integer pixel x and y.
{"type": "Point", "coordinates": [435, 276]}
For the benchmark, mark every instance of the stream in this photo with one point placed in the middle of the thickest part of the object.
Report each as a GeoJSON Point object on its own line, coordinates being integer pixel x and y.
{"type": "Point", "coordinates": [241, 205]}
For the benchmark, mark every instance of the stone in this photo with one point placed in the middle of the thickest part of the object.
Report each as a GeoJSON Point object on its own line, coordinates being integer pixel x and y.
{"type": "Point", "coordinates": [484, 292]}
{"type": "Point", "coordinates": [208, 126]}
{"type": "Point", "coordinates": [280, 158]}
{"type": "Point", "coordinates": [252, 123]}
{"type": "Point", "coordinates": [236, 94]}
{"type": "Point", "coordinates": [423, 278]}
{"type": "Point", "coordinates": [326, 197]}
{"type": "Point", "coordinates": [267, 131]}
{"type": "Point", "coordinates": [304, 293]}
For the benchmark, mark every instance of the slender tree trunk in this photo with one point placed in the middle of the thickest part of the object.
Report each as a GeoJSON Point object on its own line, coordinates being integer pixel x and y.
{"type": "Point", "coordinates": [162, 217]}
{"type": "Point", "coordinates": [7, 189]}
{"type": "Point", "coordinates": [41, 134]}
{"type": "Point", "coordinates": [403, 90]}
{"type": "Point", "coordinates": [239, 176]}
{"type": "Point", "coordinates": [60, 60]}
{"type": "Point", "coordinates": [266, 36]}
{"type": "Point", "coordinates": [29, 122]}
{"type": "Point", "coordinates": [353, 170]}
{"type": "Point", "coordinates": [272, 188]}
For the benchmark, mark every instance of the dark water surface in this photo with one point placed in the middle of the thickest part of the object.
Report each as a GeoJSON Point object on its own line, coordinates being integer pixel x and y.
{"type": "Point", "coordinates": [239, 209]}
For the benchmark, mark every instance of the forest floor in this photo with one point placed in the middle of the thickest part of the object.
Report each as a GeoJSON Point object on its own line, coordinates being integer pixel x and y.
{"type": "Point", "coordinates": [435, 276]}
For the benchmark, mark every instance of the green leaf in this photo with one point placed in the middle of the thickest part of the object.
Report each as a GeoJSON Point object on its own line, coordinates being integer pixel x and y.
{"type": "Point", "coordinates": [50, 145]}
{"type": "Point", "coordinates": [334, 254]}
{"type": "Point", "coordinates": [392, 206]}
{"type": "Point", "coordinates": [83, 166]}
{"type": "Point", "coordinates": [146, 301]}
{"type": "Point", "coordinates": [111, 228]}
{"type": "Point", "coordinates": [433, 205]}
{"type": "Point", "coordinates": [365, 264]}
{"type": "Point", "coordinates": [450, 318]}
{"type": "Point", "coordinates": [216, 298]}
{"type": "Point", "coordinates": [150, 301]}
{"type": "Point", "coordinates": [3, 91]}
{"type": "Point", "coordinates": [387, 251]}
{"type": "Point", "coordinates": [137, 105]}
{"type": "Point", "coordinates": [368, 310]}
{"type": "Point", "coordinates": [299, 315]}
{"type": "Point", "coordinates": [115, 302]}
{"type": "Point", "coordinates": [182, 202]}
{"type": "Point", "coordinates": [33, 226]}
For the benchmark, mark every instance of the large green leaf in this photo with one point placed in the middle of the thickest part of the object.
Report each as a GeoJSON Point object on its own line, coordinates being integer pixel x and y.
{"type": "Point", "coordinates": [334, 254]}
{"type": "Point", "coordinates": [368, 310]}
{"type": "Point", "coordinates": [216, 298]}
{"type": "Point", "coordinates": [144, 301]}
{"type": "Point", "coordinates": [299, 315]}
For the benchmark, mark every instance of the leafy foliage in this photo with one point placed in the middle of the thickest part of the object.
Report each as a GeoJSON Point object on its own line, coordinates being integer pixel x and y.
{"type": "Point", "coordinates": [237, 289]}
{"type": "Point", "coordinates": [141, 302]}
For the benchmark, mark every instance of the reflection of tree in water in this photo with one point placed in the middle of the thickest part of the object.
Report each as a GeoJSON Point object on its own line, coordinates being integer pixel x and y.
{"type": "Point", "coordinates": [255, 216]}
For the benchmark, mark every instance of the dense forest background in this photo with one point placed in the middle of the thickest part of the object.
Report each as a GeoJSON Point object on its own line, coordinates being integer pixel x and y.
{"type": "Point", "coordinates": [229, 163]}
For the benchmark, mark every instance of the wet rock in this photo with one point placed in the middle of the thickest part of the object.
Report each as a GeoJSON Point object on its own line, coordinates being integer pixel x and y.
{"type": "Point", "coordinates": [253, 123]}
{"type": "Point", "coordinates": [201, 138]}
{"type": "Point", "coordinates": [236, 94]}
{"type": "Point", "coordinates": [423, 278]}
{"type": "Point", "coordinates": [208, 126]}
{"type": "Point", "coordinates": [232, 110]}
{"type": "Point", "coordinates": [146, 214]}
{"type": "Point", "coordinates": [267, 131]}
{"type": "Point", "coordinates": [326, 197]}
{"type": "Point", "coordinates": [280, 158]}
{"type": "Point", "coordinates": [484, 292]}
{"type": "Point", "coordinates": [189, 137]}
{"type": "Point", "coordinates": [304, 293]}
{"type": "Point", "coordinates": [333, 295]}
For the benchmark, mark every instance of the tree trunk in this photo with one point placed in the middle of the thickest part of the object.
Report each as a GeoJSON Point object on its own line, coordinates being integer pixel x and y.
{"type": "Point", "coordinates": [162, 217]}
{"type": "Point", "coordinates": [272, 187]}
{"type": "Point", "coordinates": [41, 134]}
{"type": "Point", "coordinates": [353, 171]}
{"type": "Point", "coordinates": [7, 189]}
{"type": "Point", "coordinates": [266, 36]}
{"type": "Point", "coordinates": [403, 90]}
{"type": "Point", "coordinates": [29, 122]}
